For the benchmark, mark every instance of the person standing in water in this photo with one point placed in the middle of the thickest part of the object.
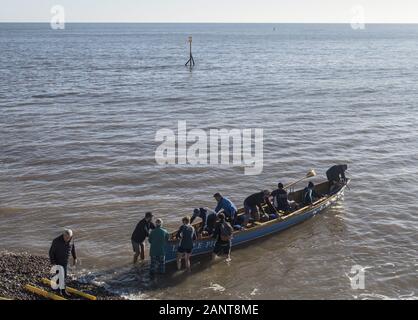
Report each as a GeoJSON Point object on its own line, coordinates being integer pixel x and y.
{"type": "Point", "coordinates": [139, 235]}
{"type": "Point", "coordinates": [187, 235]}
{"type": "Point", "coordinates": [158, 239]}
{"type": "Point", "coordinates": [223, 235]}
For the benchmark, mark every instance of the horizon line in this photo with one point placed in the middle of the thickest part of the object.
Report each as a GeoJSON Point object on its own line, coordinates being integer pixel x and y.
{"type": "Point", "coordinates": [209, 22]}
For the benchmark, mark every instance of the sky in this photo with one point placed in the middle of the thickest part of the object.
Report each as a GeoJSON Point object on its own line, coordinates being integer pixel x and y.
{"type": "Point", "coordinates": [232, 11]}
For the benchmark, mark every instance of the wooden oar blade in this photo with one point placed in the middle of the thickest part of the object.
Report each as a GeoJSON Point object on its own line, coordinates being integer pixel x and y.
{"type": "Point", "coordinates": [311, 174]}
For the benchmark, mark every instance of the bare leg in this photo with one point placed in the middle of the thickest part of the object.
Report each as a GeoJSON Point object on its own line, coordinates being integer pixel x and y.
{"type": "Point", "coordinates": [187, 258]}
{"type": "Point", "coordinates": [179, 257]}
{"type": "Point", "coordinates": [229, 256]}
{"type": "Point", "coordinates": [136, 255]}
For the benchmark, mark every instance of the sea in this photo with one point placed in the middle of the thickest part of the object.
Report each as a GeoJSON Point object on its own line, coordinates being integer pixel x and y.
{"type": "Point", "coordinates": [80, 109]}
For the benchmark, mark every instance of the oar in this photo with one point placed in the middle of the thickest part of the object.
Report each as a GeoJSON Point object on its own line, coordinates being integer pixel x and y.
{"type": "Point", "coordinates": [311, 173]}
{"type": "Point", "coordinates": [43, 293]}
{"type": "Point", "coordinates": [72, 290]}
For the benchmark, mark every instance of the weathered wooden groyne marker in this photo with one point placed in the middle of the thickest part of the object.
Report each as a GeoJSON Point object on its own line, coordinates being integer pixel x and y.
{"type": "Point", "coordinates": [190, 62]}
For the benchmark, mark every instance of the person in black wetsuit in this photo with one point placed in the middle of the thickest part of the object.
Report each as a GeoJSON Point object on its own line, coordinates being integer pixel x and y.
{"type": "Point", "coordinates": [336, 177]}
{"type": "Point", "coordinates": [309, 194]}
{"type": "Point", "coordinates": [61, 249]}
{"type": "Point", "coordinates": [223, 235]}
{"type": "Point", "coordinates": [208, 220]}
{"type": "Point", "coordinates": [254, 203]}
{"type": "Point", "coordinates": [280, 197]}
{"type": "Point", "coordinates": [141, 232]}
{"type": "Point", "coordinates": [337, 173]}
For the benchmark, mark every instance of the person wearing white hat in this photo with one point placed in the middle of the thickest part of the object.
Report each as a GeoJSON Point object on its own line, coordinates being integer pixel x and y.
{"type": "Point", "coordinates": [61, 249]}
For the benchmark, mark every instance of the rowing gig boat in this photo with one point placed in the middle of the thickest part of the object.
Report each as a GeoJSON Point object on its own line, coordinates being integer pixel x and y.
{"type": "Point", "coordinates": [204, 245]}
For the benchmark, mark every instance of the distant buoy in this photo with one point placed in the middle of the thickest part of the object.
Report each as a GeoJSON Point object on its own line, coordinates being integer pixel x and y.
{"type": "Point", "coordinates": [190, 62]}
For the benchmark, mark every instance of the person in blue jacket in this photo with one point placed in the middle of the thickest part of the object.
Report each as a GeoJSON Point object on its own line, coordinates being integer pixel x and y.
{"type": "Point", "coordinates": [226, 206]}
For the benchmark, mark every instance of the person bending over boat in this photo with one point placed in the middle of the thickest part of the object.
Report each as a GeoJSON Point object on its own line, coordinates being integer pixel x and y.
{"type": "Point", "coordinates": [223, 235]}
{"type": "Point", "coordinates": [61, 249]}
{"type": "Point", "coordinates": [208, 220]}
{"type": "Point", "coordinates": [139, 235]}
{"type": "Point", "coordinates": [187, 235]}
{"type": "Point", "coordinates": [337, 173]}
{"type": "Point", "coordinates": [280, 198]}
{"type": "Point", "coordinates": [254, 203]}
{"type": "Point", "coordinates": [336, 177]}
{"type": "Point", "coordinates": [309, 194]}
{"type": "Point", "coordinates": [226, 206]}
{"type": "Point", "coordinates": [158, 239]}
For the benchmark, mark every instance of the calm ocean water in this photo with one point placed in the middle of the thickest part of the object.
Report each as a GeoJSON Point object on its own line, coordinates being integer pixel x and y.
{"type": "Point", "coordinates": [79, 109]}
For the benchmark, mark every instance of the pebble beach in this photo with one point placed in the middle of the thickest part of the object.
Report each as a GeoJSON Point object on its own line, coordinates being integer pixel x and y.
{"type": "Point", "coordinates": [20, 269]}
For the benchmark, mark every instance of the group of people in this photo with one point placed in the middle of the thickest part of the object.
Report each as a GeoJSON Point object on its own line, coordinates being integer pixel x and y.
{"type": "Point", "coordinates": [220, 229]}
{"type": "Point", "coordinates": [219, 224]}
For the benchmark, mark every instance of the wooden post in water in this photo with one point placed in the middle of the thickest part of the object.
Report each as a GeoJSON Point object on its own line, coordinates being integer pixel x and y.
{"type": "Point", "coordinates": [190, 62]}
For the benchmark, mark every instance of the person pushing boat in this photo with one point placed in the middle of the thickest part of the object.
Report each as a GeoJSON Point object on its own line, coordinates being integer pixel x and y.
{"type": "Point", "coordinates": [158, 239]}
{"type": "Point", "coordinates": [141, 232]}
{"type": "Point", "coordinates": [223, 235]}
{"type": "Point", "coordinates": [187, 235]}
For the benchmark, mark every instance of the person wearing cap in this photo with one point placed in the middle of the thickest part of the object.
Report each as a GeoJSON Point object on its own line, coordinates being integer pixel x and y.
{"type": "Point", "coordinates": [61, 249]}
{"type": "Point", "coordinates": [158, 239]}
{"type": "Point", "coordinates": [280, 198]}
{"type": "Point", "coordinates": [226, 206]}
{"type": "Point", "coordinates": [141, 232]}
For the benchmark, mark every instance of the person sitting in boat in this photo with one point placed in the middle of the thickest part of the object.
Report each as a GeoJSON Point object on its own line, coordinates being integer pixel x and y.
{"type": "Point", "coordinates": [187, 235]}
{"type": "Point", "coordinates": [280, 198]}
{"type": "Point", "coordinates": [309, 194]}
{"type": "Point", "coordinates": [223, 235]}
{"type": "Point", "coordinates": [208, 218]}
{"type": "Point", "coordinates": [254, 203]}
{"type": "Point", "coordinates": [226, 206]}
